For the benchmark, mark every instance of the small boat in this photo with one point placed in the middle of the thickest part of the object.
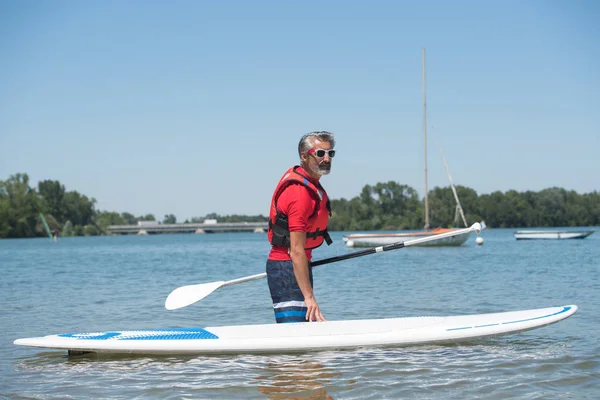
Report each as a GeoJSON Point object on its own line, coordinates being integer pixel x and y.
{"type": "Point", "coordinates": [530, 235]}
{"type": "Point", "coordinates": [382, 239]}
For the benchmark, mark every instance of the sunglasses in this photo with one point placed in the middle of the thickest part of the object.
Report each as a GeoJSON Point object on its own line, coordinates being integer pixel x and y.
{"type": "Point", "coordinates": [321, 153]}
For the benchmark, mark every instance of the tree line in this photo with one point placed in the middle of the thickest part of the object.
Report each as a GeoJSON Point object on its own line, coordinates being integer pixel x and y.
{"type": "Point", "coordinates": [390, 205]}
{"type": "Point", "coordinates": [383, 206]}
{"type": "Point", "coordinates": [69, 212]}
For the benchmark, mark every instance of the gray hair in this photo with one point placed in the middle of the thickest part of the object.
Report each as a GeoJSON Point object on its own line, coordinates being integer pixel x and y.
{"type": "Point", "coordinates": [307, 141]}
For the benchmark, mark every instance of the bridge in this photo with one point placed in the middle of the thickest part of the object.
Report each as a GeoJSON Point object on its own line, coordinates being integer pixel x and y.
{"type": "Point", "coordinates": [155, 228]}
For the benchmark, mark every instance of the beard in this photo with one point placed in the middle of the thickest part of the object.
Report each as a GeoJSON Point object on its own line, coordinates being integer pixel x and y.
{"type": "Point", "coordinates": [321, 169]}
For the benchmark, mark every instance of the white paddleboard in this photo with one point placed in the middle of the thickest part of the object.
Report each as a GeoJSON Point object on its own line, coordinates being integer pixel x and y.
{"type": "Point", "coordinates": [301, 337]}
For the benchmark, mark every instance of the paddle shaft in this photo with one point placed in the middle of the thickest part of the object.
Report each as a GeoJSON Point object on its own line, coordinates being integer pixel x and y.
{"type": "Point", "coordinates": [366, 252]}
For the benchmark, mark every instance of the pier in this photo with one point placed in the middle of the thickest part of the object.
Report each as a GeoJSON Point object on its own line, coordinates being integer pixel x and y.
{"type": "Point", "coordinates": [155, 228]}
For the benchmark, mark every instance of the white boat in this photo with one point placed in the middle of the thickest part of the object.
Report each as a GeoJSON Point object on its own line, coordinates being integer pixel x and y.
{"type": "Point", "coordinates": [382, 239]}
{"type": "Point", "coordinates": [549, 234]}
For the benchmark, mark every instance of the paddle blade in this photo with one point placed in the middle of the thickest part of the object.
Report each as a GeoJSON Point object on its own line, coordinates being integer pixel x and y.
{"type": "Point", "coordinates": [188, 295]}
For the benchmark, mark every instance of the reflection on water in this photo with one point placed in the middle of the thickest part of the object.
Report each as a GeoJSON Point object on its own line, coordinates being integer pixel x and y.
{"type": "Point", "coordinates": [296, 379]}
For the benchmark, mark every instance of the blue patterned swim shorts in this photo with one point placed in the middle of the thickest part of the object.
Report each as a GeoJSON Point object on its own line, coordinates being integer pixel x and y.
{"type": "Point", "coordinates": [288, 301]}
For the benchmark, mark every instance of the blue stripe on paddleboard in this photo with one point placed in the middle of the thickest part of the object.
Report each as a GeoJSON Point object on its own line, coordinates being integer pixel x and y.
{"type": "Point", "coordinates": [565, 309]}
{"type": "Point", "coordinates": [483, 326]}
{"type": "Point", "coordinates": [91, 336]}
{"type": "Point", "coordinates": [158, 334]}
{"type": "Point", "coordinates": [178, 336]}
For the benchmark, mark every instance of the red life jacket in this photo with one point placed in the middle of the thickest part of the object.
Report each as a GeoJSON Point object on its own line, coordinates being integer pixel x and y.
{"type": "Point", "coordinates": [279, 232]}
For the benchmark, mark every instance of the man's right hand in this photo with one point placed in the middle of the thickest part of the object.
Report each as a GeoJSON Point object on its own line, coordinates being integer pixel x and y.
{"type": "Point", "coordinates": [313, 312]}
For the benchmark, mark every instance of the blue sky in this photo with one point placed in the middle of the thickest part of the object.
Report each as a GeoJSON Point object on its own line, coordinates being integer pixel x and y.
{"type": "Point", "coordinates": [193, 107]}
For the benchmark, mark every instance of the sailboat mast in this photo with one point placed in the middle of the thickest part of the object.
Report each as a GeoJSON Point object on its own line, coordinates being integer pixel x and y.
{"type": "Point", "coordinates": [458, 206]}
{"type": "Point", "coordinates": [425, 143]}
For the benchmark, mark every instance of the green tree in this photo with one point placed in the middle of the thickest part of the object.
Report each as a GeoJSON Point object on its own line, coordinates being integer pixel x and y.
{"type": "Point", "coordinates": [469, 201]}
{"type": "Point", "coordinates": [552, 202]}
{"type": "Point", "coordinates": [21, 207]}
{"type": "Point", "coordinates": [67, 229]}
{"type": "Point", "coordinates": [79, 209]}
{"type": "Point", "coordinates": [129, 218]}
{"type": "Point", "coordinates": [103, 219]}
{"type": "Point", "coordinates": [53, 194]}
{"type": "Point", "coordinates": [170, 219]}
{"type": "Point", "coordinates": [91, 230]}
{"type": "Point", "coordinates": [591, 204]}
{"type": "Point", "coordinates": [4, 213]}
{"type": "Point", "coordinates": [442, 207]}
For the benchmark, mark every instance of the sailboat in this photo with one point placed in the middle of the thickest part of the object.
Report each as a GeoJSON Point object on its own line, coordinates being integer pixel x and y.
{"type": "Point", "coordinates": [382, 239]}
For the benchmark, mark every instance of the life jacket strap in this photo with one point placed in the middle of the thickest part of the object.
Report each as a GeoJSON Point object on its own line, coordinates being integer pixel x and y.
{"type": "Point", "coordinates": [317, 233]}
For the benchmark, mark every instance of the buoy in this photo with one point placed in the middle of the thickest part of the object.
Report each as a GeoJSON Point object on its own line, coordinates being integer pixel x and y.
{"type": "Point", "coordinates": [479, 240]}
{"type": "Point", "coordinates": [349, 243]}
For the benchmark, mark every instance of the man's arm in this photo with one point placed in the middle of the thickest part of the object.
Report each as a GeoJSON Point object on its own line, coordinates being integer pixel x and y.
{"type": "Point", "coordinates": [300, 262]}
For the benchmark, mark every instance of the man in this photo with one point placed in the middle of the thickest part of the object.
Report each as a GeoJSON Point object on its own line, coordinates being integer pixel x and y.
{"type": "Point", "coordinates": [298, 218]}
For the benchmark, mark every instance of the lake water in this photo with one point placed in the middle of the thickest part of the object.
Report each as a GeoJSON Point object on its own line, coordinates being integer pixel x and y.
{"type": "Point", "coordinates": [121, 283]}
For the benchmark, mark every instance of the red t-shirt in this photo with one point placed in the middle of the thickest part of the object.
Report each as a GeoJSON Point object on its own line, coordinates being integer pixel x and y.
{"type": "Point", "coordinates": [297, 203]}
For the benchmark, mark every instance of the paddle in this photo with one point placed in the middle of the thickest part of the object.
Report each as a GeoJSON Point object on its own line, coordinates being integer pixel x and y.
{"type": "Point", "coordinates": [190, 294]}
